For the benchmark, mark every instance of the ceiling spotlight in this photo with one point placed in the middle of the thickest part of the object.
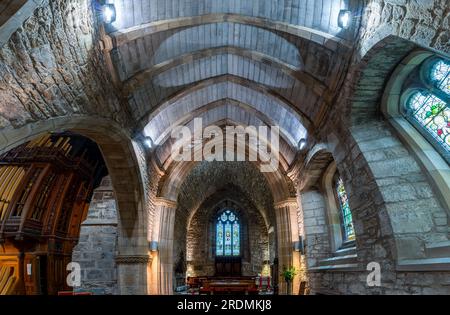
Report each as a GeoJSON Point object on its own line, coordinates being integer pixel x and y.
{"type": "Point", "coordinates": [344, 18]}
{"type": "Point", "coordinates": [302, 144]}
{"type": "Point", "coordinates": [108, 13]}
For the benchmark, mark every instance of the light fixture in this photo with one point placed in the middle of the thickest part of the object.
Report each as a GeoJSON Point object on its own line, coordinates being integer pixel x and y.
{"type": "Point", "coordinates": [148, 142]}
{"type": "Point", "coordinates": [299, 246]}
{"type": "Point", "coordinates": [108, 13]}
{"type": "Point", "coordinates": [153, 246]}
{"type": "Point", "coordinates": [344, 18]}
{"type": "Point", "coordinates": [302, 144]}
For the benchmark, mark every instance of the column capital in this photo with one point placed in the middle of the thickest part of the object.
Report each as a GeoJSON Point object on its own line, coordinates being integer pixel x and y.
{"type": "Point", "coordinates": [161, 201]}
{"type": "Point", "coordinates": [133, 259]}
{"type": "Point", "coordinates": [290, 202]}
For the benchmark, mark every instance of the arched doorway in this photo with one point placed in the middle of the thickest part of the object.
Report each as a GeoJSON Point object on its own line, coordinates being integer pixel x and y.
{"type": "Point", "coordinates": [47, 185]}
{"type": "Point", "coordinates": [119, 152]}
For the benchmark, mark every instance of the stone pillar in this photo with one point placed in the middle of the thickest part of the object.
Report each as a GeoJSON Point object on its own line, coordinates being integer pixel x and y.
{"type": "Point", "coordinates": [133, 259]}
{"type": "Point", "coordinates": [97, 246]}
{"type": "Point", "coordinates": [315, 226]}
{"type": "Point", "coordinates": [164, 226]}
{"type": "Point", "coordinates": [316, 236]}
{"type": "Point", "coordinates": [287, 234]}
{"type": "Point", "coordinates": [131, 269]}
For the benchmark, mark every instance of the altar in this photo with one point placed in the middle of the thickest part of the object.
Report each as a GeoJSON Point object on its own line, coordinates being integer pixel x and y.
{"type": "Point", "coordinates": [229, 285]}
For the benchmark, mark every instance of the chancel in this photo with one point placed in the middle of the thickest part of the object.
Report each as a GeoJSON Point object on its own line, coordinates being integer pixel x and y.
{"type": "Point", "coordinates": [119, 176]}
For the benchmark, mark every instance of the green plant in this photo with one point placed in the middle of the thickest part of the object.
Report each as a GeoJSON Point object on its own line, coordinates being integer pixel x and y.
{"type": "Point", "coordinates": [289, 274]}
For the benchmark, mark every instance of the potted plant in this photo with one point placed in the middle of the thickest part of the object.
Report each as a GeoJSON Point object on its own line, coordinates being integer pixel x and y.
{"type": "Point", "coordinates": [289, 275]}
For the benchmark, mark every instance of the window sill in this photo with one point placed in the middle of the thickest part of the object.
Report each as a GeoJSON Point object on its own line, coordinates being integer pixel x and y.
{"type": "Point", "coordinates": [341, 267]}
{"type": "Point", "coordinates": [426, 264]}
{"type": "Point", "coordinates": [344, 259]}
{"type": "Point", "coordinates": [347, 245]}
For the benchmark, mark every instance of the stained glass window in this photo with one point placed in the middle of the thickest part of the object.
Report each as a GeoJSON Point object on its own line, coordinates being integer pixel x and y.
{"type": "Point", "coordinates": [347, 220]}
{"type": "Point", "coordinates": [429, 109]}
{"type": "Point", "coordinates": [433, 114]}
{"type": "Point", "coordinates": [228, 234]}
{"type": "Point", "coordinates": [440, 75]}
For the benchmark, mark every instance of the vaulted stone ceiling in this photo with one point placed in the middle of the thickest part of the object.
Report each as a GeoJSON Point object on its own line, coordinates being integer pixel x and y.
{"type": "Point", "coordinates": [250, 62]}
{"type": "Point", "coordinates": [254, 62]}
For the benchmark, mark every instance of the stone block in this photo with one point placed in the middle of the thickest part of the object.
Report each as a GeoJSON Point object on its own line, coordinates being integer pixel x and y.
{"type": "Point", "coordinates": [410, 248]}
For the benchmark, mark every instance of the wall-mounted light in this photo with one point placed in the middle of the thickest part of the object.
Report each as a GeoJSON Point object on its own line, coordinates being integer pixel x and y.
{"type": "Point", "coordinates": [299, 246]}
{"type": "Point", "coordinates": [148, 142]}
{"type": "Point", "coordinates": [302, 144]}
{"type": "Point", "coordinates": [108, 13]}
{"type": "Point", "coordinates": [344, 19]}
{"type": "Point", "coordinates": [153, 246]}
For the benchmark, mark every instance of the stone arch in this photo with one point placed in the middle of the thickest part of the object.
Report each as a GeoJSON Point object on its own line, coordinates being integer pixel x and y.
{"type": "Point", "coordinates": [377, 64]}
{"type": "Point", "coordinates": [228, 109]}
{"type": "Point", "coordinates": [317, 160]}
{"type": "Point", "coordinates": [285, 156]}
{"type": "Point", "coordinates": [121, 155]}
{"type": "Point", "coordinates": [322, 38]}
{"type": "Point", "coordinates": [169, 185]}
{"type": "Point", "coordinates": [380, 147]}
{"type": "Point", "coordinates": [11, 19]}
{"type": "Point", "coordinates": [285, 211]}
{"type": "Point", "coordinates": [216, 83]}
{"type": "Point", "coordinates": [428, 157]}
{"type": "Point", "coordinates": [397, 215]}
{"type": "Point", "coordinates": [320, 221]}
{"type": "Point", "coordinates": [247, 212]}
{"type": "Point", "coordinates": [157, 71]}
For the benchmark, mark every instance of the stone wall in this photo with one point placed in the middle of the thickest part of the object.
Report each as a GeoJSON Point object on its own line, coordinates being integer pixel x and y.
{"type": "Point", "coordinates": [254, 235]}
{"type": "Point", "coordinates": [396, 216]}
{"type": "Point", "coordinates": [396, 212]}
{"type": "Point", "coordinates": [97, 246]}
{"type": "Point", "coordinates": [208, 177]}
{"type": "Point", "coordinates": [425, 22]}
{"type": "Point", "coordinates": [317, 245]}
{"type": "Point", "coordinates": [239, 181]}
{"type": "Point", "coordinates": [53, 66]}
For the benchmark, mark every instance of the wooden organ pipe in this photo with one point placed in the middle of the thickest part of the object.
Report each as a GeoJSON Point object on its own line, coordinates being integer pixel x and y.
{"type": "Point", "coordinates": [9, 184]}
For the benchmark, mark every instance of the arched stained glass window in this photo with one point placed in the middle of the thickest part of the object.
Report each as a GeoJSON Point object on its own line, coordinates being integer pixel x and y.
{"type": "Point", "coordinates": [347, 219]}
{"type": "Point", "coordinates": [228, 234]}
{"type": "Point", "coordinates": [427, 107]}
{"type": "Point", "coordinates": [440, 75]}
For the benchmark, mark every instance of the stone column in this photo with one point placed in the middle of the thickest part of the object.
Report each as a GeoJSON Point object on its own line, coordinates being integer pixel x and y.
{"type": "Point", "coordinates": [164, 227]}
{"type": "Point", "coordinates": [131, 269]}
{"type": "Point", "coordinates": [287, 234]}
{"type": "Point", "coordinates": [133, 259]}
{"type": "Point", "coordinates": [315, 226]}
{"type": "Point", "coordinates": [96, 248]}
